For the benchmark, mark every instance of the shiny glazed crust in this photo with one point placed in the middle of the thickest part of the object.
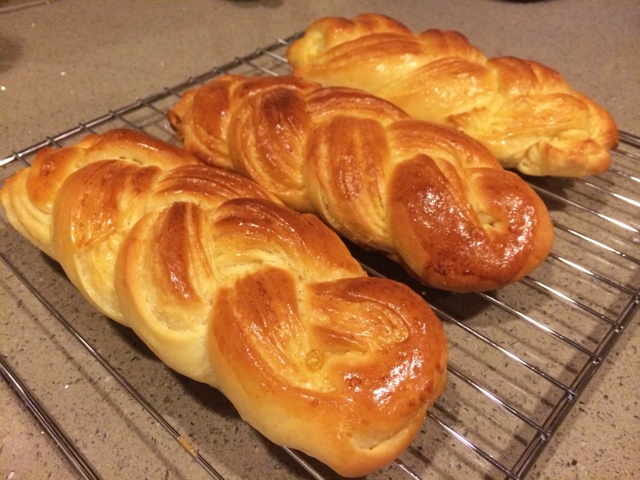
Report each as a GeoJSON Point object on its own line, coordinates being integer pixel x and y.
{"type": "Point", "coordinates": [524, 112]}
{"type": "Point", "coordinates": [229, 287]}
{"type": "Point", "coordinates": [426, 195]}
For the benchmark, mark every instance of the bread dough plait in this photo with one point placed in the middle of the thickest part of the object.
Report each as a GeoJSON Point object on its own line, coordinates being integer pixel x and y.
{"type": "Point", "coordinates": [229, 287]}
{"type": "Point", "coordinates": [523, 111]}
{"type": "Point", "coordinates": [426, 195]}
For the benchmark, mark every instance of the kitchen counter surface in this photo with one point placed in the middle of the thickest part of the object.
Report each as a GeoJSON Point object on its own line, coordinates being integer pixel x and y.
{"type": "Point", "coordinates": [68, 61]}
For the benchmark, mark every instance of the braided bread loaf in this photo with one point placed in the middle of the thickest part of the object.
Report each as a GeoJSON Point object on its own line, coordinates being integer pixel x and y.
{"type": "Point", "coordinates": [426, 195]}
{"type": "Point", "coordinates": [229, 287]}
{"type": "Point", "coordinates": [524, 112]}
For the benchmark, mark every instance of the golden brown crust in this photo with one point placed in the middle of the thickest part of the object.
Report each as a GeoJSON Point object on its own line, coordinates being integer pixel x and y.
{"type": "Point", "coordinates": [524, 112]}
{"type": "Point", "coordinates": [324, 367]}
{"type": "Point", "coordinates": [230, 287]}
{"type": "Point", "coordinates": [425, 194]}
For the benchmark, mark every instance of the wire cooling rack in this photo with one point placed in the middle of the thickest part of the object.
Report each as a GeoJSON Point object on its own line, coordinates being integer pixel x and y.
{"type": "Point", "coordinates": [519, 357]}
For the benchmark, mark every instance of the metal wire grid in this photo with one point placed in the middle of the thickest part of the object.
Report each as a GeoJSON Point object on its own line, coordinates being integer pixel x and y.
{"type": "Point", "coordinates": [519, 357]}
